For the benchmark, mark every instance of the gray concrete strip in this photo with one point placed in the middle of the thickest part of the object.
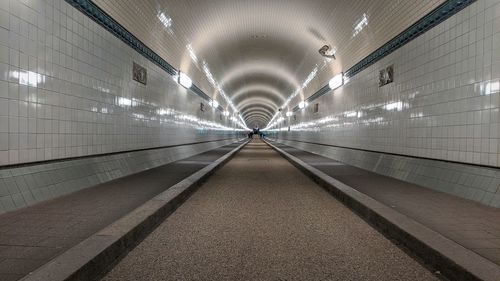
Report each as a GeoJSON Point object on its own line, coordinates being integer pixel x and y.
{"type": "Point", "coordinates": [451, 259]}
{"type": "Point", "coordinates": [260, 218]}
{"type": "Point", "coordinates": [94, 256]}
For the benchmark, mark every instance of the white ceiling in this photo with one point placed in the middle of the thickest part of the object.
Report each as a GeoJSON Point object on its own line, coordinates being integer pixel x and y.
{"type": "Point", "coordinates": [261, 51]}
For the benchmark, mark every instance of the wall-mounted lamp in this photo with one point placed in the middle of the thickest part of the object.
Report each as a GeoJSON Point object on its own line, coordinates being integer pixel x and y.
{"type": "Point", "coordinates": [226, 113]}
{"type": "Point", "coordinates": [289, 113]}
{"type": "Point", "coordinates": [214, 103]}
{"type": "Point", "coordinates": [302, 104]}
{"type": "Point", "coordinates": [336, 81]}
{"type": "Point", "coordinates": [185, 81]}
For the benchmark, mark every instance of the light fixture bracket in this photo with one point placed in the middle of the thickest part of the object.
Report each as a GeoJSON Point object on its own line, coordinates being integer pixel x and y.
{"type": "Point", "coordinates": [327, 52]}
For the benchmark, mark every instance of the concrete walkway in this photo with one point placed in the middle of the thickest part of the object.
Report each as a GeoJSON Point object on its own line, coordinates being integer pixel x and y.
{"type": "Point", "coordinates": [470, 224]}
{"type": "Point", "coordinates": [32, 236]}
{"type": "Point", "coordinates": [260, 218]}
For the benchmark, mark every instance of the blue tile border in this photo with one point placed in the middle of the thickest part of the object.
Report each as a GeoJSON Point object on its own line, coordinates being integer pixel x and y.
{"type": "Point", "coordinates": [438, 15]}
{"type": "Point", "coordinates": [89, 9]}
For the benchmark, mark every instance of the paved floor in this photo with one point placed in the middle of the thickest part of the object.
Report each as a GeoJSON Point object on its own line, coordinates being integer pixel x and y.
{"type": "Point", "coordinates": [472, 225]}
{"type": "Point", "coordinates": [260, 218]}
{"type": "Point", "coordinates": [34, 235]}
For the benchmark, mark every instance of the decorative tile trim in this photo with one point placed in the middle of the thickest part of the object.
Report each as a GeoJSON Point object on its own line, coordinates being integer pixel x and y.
{"type": "Point", "coordinates": [92, 11]}
{"type": "Point", "coordinates": [438, 15]}
{"type": "Point", "coordinates": [88, 8]}
{"type": "Point", "coordinates": [200, 93]}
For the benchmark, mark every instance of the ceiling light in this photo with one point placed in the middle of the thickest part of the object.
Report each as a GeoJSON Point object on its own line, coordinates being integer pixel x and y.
{"type": "Point", "coordinates": [360, 24]}
{"type": "Point", "coordinates": [336, 81]}
{"type": "Point", "coordinates": [289, 113]}
{"type": "Point", "coordinates": [214, 104]}
{"type": "Point", "coordinates": [185, 81]}
{"type": "Point", "coordinates": [302, 104]}
{"type": "Point", "coordinates": [165, 19]}
{"type": "Point", "coordinates": [226, 113]}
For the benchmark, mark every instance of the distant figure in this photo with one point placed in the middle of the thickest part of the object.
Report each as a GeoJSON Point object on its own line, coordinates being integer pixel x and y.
{"type": "Point", "coordinates": [250, 135]}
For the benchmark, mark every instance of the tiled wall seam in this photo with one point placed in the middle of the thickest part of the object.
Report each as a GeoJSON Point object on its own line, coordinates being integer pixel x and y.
{"type": "Point", "coordinates": [24, 186]}
{"type": "Point", "coordinates": [479, 184]}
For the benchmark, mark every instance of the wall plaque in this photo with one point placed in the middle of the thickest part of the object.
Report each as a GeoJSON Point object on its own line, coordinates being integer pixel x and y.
{"type": "Point", "coordinates": [139, 73]}
{"type": "Point", "coordinates": [386, 76]}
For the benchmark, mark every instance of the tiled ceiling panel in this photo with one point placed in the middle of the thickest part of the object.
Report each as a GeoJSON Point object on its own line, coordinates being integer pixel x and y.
{"type": "Point", "coordinates": [261, 51]}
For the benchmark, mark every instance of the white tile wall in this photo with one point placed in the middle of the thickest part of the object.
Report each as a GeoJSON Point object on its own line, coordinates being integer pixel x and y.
{"type": "Point", "coordinates": [66, 90]}
{"type": "Point", "coordinates": [443, 104]}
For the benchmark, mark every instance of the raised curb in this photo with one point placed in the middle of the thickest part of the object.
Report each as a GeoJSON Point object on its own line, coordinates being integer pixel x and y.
{"type": "Point", "coordinates": [451, 259]}
{"type": "Point", "coordinates": [94, 256]}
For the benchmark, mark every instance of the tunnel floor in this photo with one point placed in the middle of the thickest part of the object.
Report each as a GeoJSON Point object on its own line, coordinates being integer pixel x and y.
{"type": "Point", "coordinates": [32, 236]}
{"type": "Point", "coordinates": [466, 222]}
{"type": "Point", "coordinates": [260, 218]}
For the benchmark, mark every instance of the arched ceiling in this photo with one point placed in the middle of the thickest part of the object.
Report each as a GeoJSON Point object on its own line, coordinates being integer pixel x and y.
{"type": "Point", "coordinates": [259, 52]}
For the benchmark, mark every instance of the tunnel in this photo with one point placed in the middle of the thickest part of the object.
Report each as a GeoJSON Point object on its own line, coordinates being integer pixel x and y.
{"type": "Point", "coordinates": [249, 140]}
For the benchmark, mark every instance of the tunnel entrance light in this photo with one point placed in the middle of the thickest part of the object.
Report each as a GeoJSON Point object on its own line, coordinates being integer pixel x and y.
{"type": "Point", "coordinates": [185, 81]}
{"type": "Point", "coordinates": [336, 81]}
{"type": "Point", "coordinates": [289, 113]}
{"type": "Point", "coordinates": [302, 104]}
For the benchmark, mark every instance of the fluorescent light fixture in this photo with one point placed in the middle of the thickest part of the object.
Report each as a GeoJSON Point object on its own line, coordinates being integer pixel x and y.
{"type": "Point", "coordinates": [185, 81]}
{"type": "Point", "coordinates": [165, 19]}
{"type": "Point", "coordinates": [302, 104]}
{"type": "Point", "coordinates": [360, 24]}
{"type": "Point", "coordinates": [336, 81]}
{"type": "Point", "coordinates": [289, 113]}
{"type": "Point", "coordinates": [214, 104]}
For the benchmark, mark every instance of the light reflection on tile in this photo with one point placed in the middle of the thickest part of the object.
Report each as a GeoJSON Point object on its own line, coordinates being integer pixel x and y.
{"type": "Point", "coordinates": [66, 90]}
{"type": "Point", "coordinates": [443, 103]}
